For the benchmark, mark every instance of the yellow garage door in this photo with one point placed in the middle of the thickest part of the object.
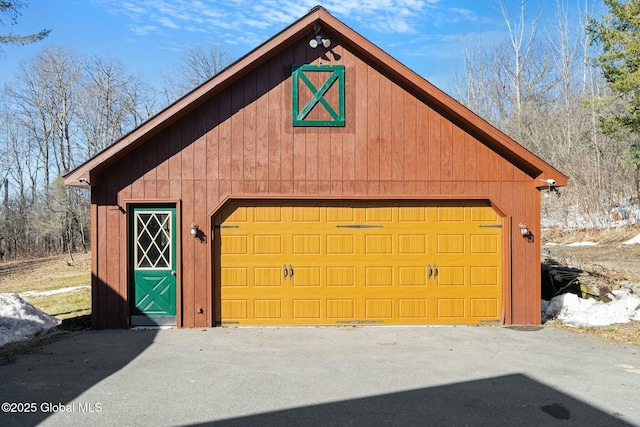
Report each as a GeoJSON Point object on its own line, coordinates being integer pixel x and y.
{"type": "Point", "coordinates": [360, 263]}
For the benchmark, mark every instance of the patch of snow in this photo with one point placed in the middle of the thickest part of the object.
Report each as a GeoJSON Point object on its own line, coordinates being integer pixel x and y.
{"type": "Point", "coordinates": [19, 320]}
{"type": "Point", "coordinates": [573, 310]}
{"type": "Point", "coordinates": [574, 217]}
{"type": "Point", "coordinates": [54, 292]}
{"type": "Point", "coordinates": [551, 244]}
{"type": "Point", "coordinates": [582, 244]}
{"type": "Point", "coordinates": [634, 241]}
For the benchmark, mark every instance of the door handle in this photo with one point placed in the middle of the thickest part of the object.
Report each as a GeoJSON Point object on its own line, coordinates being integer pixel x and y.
{"type": "Point", "coordinates": [290, 272]}
{"type": "Point", "coordinates": [284, 271]}
{"type": "Point", "coordinates": [430, 272]}
{"type": "Point", "coordinates": [435, 271]}
{"type": "Point", "coordinates": [173, 273]}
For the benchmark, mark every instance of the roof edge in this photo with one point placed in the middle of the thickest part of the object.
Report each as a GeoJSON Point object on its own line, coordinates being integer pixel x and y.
{"type": "Point", "coordinates": [537, 167]}
{"type": "Point", "coordinates": [183, 105]}
{"type": "Point", "coordinates": [440, 101]}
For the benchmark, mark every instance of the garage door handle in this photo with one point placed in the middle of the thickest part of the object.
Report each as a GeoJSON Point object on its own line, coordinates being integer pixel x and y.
{"type": "Point", "coordinates": [284, 271]}
{"type": "Point", "coordinates": [290, 272]}
{"type": "Point", "coordinates": [430, 271]}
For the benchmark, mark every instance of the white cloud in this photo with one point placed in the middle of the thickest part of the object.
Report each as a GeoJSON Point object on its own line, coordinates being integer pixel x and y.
{"type": "Point", "coordinates": [168, 22]}
{"type": "Point", "coordinates": [144, 30]}
{"type": "Point", "coordinates": [388, 16]}
{"type": "Point", "coordinates": [404, 23]}
{"type": "Point", "coordinates": [133, 8]}
{"type": "Point", "coordinates": [392, 25]}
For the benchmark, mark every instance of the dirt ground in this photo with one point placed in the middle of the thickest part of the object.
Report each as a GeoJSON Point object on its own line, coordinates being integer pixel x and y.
{"type": "Point", "coordinates": [615, 262]}
{"type": "Point", "coordinates": [610, 262]}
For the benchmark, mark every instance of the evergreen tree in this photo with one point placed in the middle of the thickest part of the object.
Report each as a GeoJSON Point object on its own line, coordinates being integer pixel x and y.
{"type": "Point", "coordinates": [617, 34]}
{"type": "Point", "coordinates": [11, 9]}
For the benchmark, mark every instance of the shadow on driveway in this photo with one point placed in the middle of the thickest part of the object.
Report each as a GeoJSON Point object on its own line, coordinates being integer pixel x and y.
{"type": "Point", "coordinates": [324, 376]}
{"type": "Point", "coordinates": [500, 401]}
{"type": "Point", "coordinates": [29, 376]}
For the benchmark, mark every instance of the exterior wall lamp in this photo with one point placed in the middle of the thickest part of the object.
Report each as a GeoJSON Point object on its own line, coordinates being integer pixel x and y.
{"type": "Point", "coordinates": [524, 230]}
{"type": "Point", "coordinates": [318, 39]}
{"type": "Point", "coordinates": [193, 230]}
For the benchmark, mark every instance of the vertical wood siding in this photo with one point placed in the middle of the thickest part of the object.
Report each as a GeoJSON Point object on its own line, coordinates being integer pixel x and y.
{"type": "Point", "coordinates": [241, 143]}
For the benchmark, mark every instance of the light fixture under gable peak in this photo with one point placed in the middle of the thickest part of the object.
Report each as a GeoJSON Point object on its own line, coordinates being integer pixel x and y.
{"type": "Point", "coordinates": [318, 40]}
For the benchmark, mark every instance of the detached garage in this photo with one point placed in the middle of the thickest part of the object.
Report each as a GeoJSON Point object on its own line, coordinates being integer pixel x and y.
{"type": "Point", "coordinates": [315, 183]}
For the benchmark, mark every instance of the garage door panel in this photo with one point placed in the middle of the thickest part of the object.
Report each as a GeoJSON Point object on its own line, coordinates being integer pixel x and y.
{"type": "Point", "coordinates": [412, 276]}
{"type": "Point", "coordinates": [234, 245]}
{"type": "Point", "coordinates": [340, 214]}
{"type": "Point", "coordinates": [306, 309]}
{"type": "Point", "coordinates": [268, 309]}
{"type": "Point", "coordinates": [412, 308]}
{"type": "Point", "coordinates": [338, 244]}
{"type": "Point", "coordinates": [379, 276]}
{"type": "Point", "coordinates": [235, 309]}
{"type": "Point", "coordinates": [306, 214]}
{"type": "Point", "coordinates": [451, 307]}
{"type": "Point", "coordinates": [412, 214]}
{"type": "Point", "coordinates": [484, 244]}
{"type": "Point", "coordinates": [368, 263]}
{"type": "Point", "coordinates": [451, 214]}
{"type": "Point", "coordinates": [451, 276]}
{"type": "Point", "coordinates": [450, 243]}
{"type": "Point", "coordinates": [378, 214]}
{"type": "Point", "coordinates": [235, 277]}
{"type": "Point", "coordinates": [267, 276]}
{"type": "Point", "coordinates": [270, 244]}
{"type": "Point", "coordinates": [306, 277]}
{"type": "Point", "coordinates": [305, 244]}
{"type": "Point", "coordinates": [412, 244]}
{"type": "Point", "coordinates": [484, 276]}
{"type": "Point", "coordinates": [378, 308]}
{"type": "Point", "coordinates": [484, 307]}
{"type": "Point", "coordinates": [378, 244]}
{"type": "Point", "coordinates": [238, 215]}
{"type": "Point", "coordinates": [267, 214]}
{"type": "Point", "coordinates": [340, 308]}
{"type": "Point", "coordinates": [483, 215]}
{"type": "Point", "coordinates": [341, 276]}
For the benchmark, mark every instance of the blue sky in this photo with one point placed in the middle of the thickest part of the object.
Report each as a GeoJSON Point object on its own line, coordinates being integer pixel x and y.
{"type": "Point", "coordinates": [148, 36]}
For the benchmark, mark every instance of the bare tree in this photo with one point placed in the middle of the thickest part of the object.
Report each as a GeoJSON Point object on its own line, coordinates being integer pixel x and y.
{"type": "Point", "coordinates": [199, 64]}
{"type": "Point", "coordinates": [112, 103]}
{"type": "Point", "coordinates": [45, 99]}
{"type": "Point", "coordinates": [61, 109]}
{"type": "Point", "coordinates": [540, 87]}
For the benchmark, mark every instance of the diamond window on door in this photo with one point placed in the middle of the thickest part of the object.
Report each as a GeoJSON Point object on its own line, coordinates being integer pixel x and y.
{"type": "Point", "coordinates": [153, 240]}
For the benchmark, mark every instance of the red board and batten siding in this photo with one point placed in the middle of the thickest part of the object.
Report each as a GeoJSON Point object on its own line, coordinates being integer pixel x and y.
{"type": "Point", "coordinates": [240, 143]}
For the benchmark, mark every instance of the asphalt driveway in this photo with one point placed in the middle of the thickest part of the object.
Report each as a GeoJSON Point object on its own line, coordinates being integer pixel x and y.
{"type": "Point", "coordinates": [347, 376]}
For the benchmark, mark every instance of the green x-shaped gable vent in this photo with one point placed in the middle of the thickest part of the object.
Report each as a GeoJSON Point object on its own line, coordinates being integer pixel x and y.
{"type": "Point", "coordinates": [319, 100]}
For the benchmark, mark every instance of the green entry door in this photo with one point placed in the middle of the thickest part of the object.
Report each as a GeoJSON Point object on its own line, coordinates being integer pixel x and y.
{"type": "Point", "coordinates": [154, 266]}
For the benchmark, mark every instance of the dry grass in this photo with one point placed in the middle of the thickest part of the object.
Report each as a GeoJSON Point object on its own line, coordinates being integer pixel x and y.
{"type": "Point", "coordinates": [44, 274]}
{"type": "Point", "coordinates": [64, 306]}
{"type": "Point", "coordinates": [621, 333]}
{"type": "Point", "coordinates": [50, 273]}
{"type": "Point", "coordinates": [605, 236]}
